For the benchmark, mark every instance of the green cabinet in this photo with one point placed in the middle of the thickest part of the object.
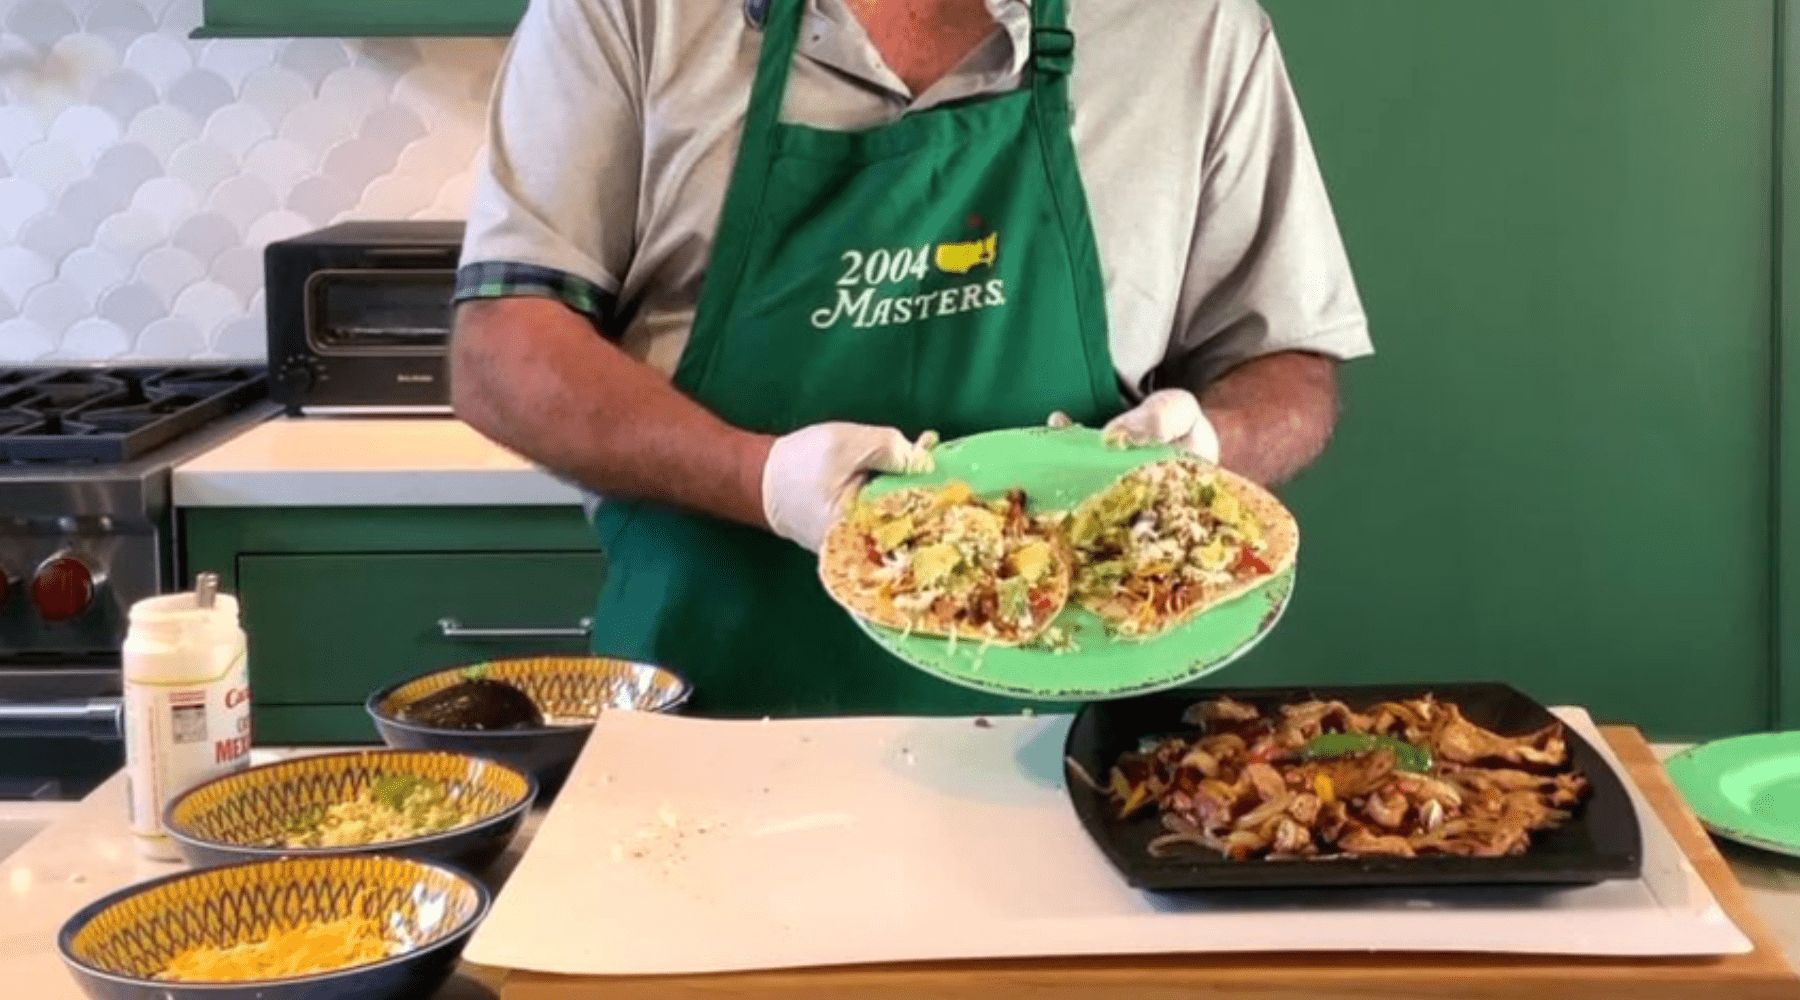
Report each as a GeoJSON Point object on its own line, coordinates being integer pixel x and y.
{"type": "Point", "coordinates": [356, 18]}
{"type": "Point", "coordinates": [338, 602]}
{"type": "Point", "coordinates": [1556, 470]}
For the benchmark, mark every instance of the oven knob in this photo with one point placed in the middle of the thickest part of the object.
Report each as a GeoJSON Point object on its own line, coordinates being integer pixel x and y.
{"type": "Point", "coordinates": [298, 374]}
{"type": "Point", "coordinates": [63, 587]}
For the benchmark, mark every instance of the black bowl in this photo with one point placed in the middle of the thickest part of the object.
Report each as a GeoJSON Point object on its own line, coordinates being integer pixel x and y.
{"type": "Point", "coordinates": [115, 947]}
{"type": "Point", "coordinates": [570, 691]}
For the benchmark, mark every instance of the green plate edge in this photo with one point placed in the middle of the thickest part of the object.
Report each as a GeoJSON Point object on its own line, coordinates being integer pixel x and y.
{"type": "Point", "coordinates": [1697, 774]}
{"type": "Point", "coordinates": [1058, 467]}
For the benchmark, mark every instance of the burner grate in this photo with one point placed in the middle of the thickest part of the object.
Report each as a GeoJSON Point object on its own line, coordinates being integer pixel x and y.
{"type": "Point", "coordinates": [73, 416]}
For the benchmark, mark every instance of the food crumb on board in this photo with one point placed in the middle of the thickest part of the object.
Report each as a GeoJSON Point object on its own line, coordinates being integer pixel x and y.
{"type": "Point", "coordinates": [907, 755]}
{"type": "Point", "coordinates": [983, 724]}
{"type": "Point", "coordinates": [663, 839]}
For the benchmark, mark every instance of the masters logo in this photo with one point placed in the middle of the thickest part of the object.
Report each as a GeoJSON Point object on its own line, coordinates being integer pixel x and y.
{"type": "Point", "coordinates": [882, 287]}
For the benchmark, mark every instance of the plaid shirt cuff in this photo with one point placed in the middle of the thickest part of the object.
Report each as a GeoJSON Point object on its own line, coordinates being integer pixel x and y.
{"type": "Point", "coordinates": [499, 279]}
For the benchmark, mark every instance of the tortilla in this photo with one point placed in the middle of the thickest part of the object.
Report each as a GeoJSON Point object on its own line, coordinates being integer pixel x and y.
{"type": "Point", "coordinates": [1008, 575]}
{"type": "Point", "coordinates": [1146, 580]}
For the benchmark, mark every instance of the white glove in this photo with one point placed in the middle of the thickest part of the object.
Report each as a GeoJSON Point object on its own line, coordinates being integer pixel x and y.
{"type": "Point", "coordinates": [1166, 416]}
{"type": "Point", "coordinates": [814, 472]}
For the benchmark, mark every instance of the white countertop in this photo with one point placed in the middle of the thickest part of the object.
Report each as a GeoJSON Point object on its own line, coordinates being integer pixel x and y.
{"type": "Point", "coordinates": [87, 853]}
{"type": "Point", "coordinates": [365, 462]}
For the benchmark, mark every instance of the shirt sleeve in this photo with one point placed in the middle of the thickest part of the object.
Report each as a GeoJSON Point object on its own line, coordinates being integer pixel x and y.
{"type": "Point", "coordinates": [554, 203]}
{"type": "Point", "coordinates": [1268, 271]}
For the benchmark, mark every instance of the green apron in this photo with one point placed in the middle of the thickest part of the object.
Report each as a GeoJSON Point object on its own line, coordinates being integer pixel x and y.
{"type": "Point", "coordinates": [937, 272]}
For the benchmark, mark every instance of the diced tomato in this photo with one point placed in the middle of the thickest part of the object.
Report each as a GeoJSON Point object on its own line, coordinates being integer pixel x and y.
{"type": "Point", "coordinates": [1247, 560]}
{"type": "Point", "coordinates": [874, 553]}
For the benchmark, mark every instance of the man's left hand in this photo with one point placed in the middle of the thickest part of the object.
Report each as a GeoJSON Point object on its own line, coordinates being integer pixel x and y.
{"type": "Point", "coordinates": [1166, 416]}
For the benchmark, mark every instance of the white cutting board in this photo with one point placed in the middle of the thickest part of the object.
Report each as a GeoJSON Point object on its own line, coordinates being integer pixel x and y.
{"type": "Point", "coordinates": [689, 846]}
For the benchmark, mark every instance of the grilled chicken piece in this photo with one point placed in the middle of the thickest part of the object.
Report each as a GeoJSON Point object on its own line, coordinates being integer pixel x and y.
{"type": "Point", "coordinates": [1361, 841]}
{"type": "Point", "coordinates": [1267, 781]}
{"type": "Point", "coordinates": [1410, 720]}
{"type": "Point", "coordinates": [1263, 814]}
{"type": "Point", "coordinates": [1291, 838]}
{"type": "Point", "coordinates": [1463, 742]}
{"type": "Point", "coordinates": [1201, 761]}
{"type": "Point", "coordinates": [1387, 810]}
{"type": "Point", "coordinates": [1242, 844]}
{"type": "Point", "coordinates": [1300, 723]}
{"type": "Point", "coordinates": [1205, 713]}
{"type": "Point", "coordinates": [1334, 818]}
{"type": "Point", "coordinates": [1358, 774]}
{"type": "Point", "coordinates": [1425, 788]}
{"type": "Point", "coordinates": [1304, 807]}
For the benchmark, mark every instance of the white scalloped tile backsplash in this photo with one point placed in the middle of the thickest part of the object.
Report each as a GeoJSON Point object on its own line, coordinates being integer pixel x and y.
{"type": "Point", "coordinates": [142, 173]}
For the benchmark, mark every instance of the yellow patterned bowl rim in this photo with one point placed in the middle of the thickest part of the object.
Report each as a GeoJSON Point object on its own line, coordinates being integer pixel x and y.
{"type": "Point", "coordinates": [454, 880]}
{"type": "Point", "coordinates": [387, 701]}
{"type": "Point", "coordinates": [519, 789]}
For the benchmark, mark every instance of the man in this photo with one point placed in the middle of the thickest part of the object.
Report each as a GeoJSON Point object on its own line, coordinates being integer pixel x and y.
{"type": "Point", "coordinates": [910, 215]}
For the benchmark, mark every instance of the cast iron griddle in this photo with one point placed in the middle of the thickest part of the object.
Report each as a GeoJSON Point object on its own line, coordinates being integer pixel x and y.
{"type": "Point", "coordinates": [1599, 843]}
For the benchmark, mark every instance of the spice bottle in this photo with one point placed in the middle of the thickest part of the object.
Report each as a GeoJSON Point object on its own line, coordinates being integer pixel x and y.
{"type": "Point", "coordinates": [186, 703]}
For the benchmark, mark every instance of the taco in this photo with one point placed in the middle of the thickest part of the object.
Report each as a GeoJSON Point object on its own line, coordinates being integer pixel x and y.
{"type": "Point", "coordinates": [944, 562]}
{"type": "Point", "coordinates": [1170, 540]}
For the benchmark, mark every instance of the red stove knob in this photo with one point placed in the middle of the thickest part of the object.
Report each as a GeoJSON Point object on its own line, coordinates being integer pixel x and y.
{"type": "Point", "coordinates": [63, 587]}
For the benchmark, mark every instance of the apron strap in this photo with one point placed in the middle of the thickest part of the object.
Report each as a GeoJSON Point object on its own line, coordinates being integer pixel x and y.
{"type": "Point", "coordinates": [1052, 43]}
{"type": "Point", "coordinates": [780, 37]}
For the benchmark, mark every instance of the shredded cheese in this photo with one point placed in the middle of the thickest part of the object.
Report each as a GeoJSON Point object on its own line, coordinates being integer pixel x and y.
{"type": "Point", "coordinates": [295, 951]}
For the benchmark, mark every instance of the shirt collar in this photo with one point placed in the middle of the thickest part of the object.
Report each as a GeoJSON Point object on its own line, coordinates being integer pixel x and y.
{"type": "Point", "coordinates": [830, 34]}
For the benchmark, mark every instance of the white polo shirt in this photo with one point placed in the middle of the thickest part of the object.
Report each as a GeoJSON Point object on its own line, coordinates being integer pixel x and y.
{"type": "Point", "coordinates": [615, 125]}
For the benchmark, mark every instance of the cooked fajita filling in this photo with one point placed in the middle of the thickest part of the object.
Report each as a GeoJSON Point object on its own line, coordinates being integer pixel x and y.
{"type": "Point", "coordinates": [950, 562]}
{"type": "Point", "coordinates": [1151, 547]}
{"type": "Point", "coordinates": [1316, 779]}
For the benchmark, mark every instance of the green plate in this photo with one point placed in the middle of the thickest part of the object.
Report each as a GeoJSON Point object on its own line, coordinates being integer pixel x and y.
{"type": "Point", "coordinates": [1058, 468]}
{"type": "Point", "coordinates": [1746, 788]}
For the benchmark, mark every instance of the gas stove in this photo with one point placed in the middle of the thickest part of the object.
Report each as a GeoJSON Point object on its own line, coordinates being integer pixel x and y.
{"type": "Point", "coordinates": [112, 415]}
{"type": "Point", "coordinates": [87, 529]}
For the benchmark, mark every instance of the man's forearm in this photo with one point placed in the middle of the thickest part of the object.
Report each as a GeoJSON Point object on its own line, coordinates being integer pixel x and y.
{"type": "Point", "coordinates": [1273, 414]}
{"type": "Point", "coordinates": [531, 374]}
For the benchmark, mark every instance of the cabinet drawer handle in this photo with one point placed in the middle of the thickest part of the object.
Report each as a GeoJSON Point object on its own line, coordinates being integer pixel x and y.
{"type": "Point", "coordinates": [454, 629]}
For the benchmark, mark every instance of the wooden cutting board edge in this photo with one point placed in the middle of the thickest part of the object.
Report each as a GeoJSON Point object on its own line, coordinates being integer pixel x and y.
{"type": "Point", "coordinates": [1762, 974]}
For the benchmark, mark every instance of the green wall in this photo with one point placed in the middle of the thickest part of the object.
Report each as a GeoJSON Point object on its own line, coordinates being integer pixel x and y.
{"type": "Point", "coordinates": [1558, 468]}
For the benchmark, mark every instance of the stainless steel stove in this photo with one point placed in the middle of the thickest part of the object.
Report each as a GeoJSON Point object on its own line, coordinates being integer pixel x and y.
{"type": "Point", "coordinates": [86, 530]}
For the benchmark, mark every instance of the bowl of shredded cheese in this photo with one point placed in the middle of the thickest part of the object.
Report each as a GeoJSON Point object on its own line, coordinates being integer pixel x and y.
{"type": "Point", "coordinates": [374, 927]}
{"type": "Point", "coordinates": [429, 804]}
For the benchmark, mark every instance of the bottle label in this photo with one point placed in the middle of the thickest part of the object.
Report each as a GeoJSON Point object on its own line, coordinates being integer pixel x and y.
{"type": "Point", "coordinates": [180, 735]}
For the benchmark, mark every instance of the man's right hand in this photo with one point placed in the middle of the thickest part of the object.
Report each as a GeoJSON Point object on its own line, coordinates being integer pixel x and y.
{"type": "Point", "coordinates": [813, 473]}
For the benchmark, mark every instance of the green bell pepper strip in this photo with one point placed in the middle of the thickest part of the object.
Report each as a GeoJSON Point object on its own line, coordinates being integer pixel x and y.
{"type": "Point", "coordinates": [1407, 757]}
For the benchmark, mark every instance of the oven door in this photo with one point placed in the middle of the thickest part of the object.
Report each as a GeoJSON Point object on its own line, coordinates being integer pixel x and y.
{"type": "Point", "coordinates": [60, 733]}
{"type": "Point", "coordinates": [377, 340]}
{"type": "Point", "coordinates": [379, 312]}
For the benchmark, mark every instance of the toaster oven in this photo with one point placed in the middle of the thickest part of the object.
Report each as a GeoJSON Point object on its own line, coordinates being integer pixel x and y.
{"type": "Point", "coordinates": [359, 317]}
